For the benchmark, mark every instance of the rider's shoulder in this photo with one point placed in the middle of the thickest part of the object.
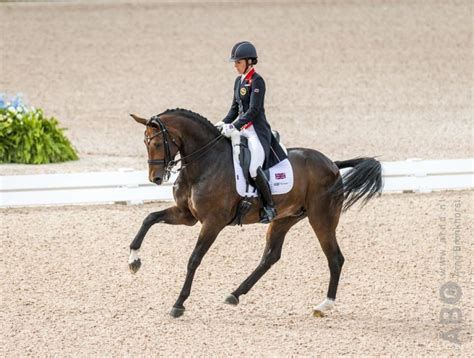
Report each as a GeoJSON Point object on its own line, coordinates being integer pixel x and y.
{"type": "Point", "coordinates": [257, 79]}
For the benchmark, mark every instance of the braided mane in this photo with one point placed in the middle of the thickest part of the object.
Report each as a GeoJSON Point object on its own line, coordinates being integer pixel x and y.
{"type": "Point", "coordinates": [195, 117]}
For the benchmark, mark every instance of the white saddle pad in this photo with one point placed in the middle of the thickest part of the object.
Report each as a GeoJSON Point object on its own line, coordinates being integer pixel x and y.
{"type": "Point", "coordinates": [281, 179]}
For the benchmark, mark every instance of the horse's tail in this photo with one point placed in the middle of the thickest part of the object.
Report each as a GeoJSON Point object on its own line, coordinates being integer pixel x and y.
{"type": "Point", "coordinates": [364, 180]}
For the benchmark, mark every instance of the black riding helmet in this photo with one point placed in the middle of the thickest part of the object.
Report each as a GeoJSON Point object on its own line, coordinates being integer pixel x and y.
{"type": "Point", "coordinates": [243, 50]}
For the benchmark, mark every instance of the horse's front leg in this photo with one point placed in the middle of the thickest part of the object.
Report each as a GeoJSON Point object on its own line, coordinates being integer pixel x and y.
{"type": "Point", "coordinates": [174, 216]}
{"type": "Point", "coordinates": [207, 236]}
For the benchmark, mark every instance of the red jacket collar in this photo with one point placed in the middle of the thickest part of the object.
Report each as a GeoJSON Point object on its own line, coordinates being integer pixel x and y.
{"type": "Point", "coordinates": [249, 75]}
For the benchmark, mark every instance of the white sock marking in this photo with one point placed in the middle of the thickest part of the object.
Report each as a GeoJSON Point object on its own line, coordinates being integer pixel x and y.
{"type": "Point", "coordinates": [326, 305]}
{"type": "Point", "coordinates": [133, 256]}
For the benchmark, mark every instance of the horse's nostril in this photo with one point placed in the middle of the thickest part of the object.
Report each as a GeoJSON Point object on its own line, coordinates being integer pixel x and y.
{"type": "Point", "coordinates": [156, 180]}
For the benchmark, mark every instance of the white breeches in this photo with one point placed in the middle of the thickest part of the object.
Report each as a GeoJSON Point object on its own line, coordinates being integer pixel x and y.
{"type": "Point", "coordinates": [256, 150]}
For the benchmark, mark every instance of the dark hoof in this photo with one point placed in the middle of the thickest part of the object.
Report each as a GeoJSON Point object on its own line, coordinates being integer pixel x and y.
{"type": "Point", "coordinates": [135, 266]}
{"type": "Point", "coordinates": [232, 300]}
{"type": "Point", "coordinates": [318, 313]}
{"type": "Point", "coordinates": [176, 312]}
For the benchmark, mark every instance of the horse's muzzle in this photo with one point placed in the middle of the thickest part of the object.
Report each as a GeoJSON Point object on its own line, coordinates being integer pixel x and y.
{"type": "Point", "coordinates": [157, 180]}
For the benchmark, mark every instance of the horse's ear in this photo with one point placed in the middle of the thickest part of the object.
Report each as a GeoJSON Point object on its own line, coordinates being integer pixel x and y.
{"type": "Point", "coordinates": [139, 119]}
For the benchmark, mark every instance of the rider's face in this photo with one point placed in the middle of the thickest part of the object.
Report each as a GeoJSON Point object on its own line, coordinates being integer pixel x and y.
{"type": "Point", "coordinates": [240, 66]}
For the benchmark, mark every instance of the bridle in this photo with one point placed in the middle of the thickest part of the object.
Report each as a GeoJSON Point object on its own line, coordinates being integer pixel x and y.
{"type": "Point", "coordinates": [168, 162]}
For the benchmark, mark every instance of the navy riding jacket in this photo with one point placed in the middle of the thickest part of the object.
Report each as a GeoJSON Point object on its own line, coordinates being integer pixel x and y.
{"type": "Point", "coordinates": [248, 107]}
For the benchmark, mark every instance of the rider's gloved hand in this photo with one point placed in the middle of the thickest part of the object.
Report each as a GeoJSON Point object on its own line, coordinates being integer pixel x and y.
{"type": "Point", "coordinates": [219, 124]}
{"type": "Point", "coordinates": [228, 130]}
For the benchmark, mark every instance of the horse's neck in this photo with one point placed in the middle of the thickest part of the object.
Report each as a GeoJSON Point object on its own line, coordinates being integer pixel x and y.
{"type": "Point", "coordinates": [193, 139]}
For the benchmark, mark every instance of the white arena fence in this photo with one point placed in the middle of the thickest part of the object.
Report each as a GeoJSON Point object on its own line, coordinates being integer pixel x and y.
{"type": "Point", "coordinates": [133, 187]}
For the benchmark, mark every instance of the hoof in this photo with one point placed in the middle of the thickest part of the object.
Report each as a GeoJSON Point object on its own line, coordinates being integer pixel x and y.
{"type": "Point", "coordinates": [135, 265]}
{"type": "Point", "coordinates": [318, 313]}
{"type": "Point", "coordinates": [176, 312]}
{"type": "Point", "coordinates": [232, 300]}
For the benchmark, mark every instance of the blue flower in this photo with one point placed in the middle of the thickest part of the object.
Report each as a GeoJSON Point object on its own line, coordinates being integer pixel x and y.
{"type": "Point", "coordinates": [17, 102]}
{"type": "Point", "coordinates": [3, 101]}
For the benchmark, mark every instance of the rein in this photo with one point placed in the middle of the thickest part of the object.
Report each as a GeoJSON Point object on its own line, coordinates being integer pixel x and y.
{"type": "Point", "coordinates": [168, 162]}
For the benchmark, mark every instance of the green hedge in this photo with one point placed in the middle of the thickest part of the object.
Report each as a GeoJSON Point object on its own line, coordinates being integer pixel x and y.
{"type": "Point", "coordinates": [27, 137]}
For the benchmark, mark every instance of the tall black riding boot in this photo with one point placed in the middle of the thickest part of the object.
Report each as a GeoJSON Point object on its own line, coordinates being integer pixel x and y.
{"type": "Point", "coordinates": [269, 211]}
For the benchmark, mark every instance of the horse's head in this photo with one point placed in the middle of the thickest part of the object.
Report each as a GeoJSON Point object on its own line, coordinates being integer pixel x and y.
{"type": "Point", "coordinates": [161, 147]}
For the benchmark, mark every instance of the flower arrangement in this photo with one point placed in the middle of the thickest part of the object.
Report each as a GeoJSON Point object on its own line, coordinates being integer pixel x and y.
{"type": "Point", "coordinates": [28, 137]}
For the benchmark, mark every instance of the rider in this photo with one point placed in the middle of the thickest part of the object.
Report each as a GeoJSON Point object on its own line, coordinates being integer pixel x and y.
{"type": "Point", "coordinates": [247, 115]}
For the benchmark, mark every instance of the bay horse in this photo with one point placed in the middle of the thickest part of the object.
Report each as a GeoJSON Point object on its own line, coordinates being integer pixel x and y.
{"type": "Point", "coordinates": [205, 191]}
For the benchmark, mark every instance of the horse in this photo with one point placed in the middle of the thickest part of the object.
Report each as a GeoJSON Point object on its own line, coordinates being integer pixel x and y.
{"type": "Point", "coordinates": [205, 191]}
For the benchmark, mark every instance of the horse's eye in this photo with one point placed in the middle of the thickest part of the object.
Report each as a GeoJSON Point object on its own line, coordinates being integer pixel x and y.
{"type": "Point", "coordinates": [157, 145]}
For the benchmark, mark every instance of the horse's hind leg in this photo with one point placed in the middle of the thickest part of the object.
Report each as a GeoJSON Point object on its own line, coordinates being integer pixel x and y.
{"type": "Point", "coordinates": [275, 236]}
{"type": "Point", "coordinates": [173, 216]}
{"type": "Point", "coordinates": [323, 217]}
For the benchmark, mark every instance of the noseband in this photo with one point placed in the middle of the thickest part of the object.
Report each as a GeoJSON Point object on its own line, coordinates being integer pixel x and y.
{"type": "Point", "coordinates": [168, 162]}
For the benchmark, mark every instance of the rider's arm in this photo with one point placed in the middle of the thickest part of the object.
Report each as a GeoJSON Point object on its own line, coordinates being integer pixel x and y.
{"type": "Point", "coordinates": [257, 96]}
{"type": "Point", "coordinates": [234, 109]}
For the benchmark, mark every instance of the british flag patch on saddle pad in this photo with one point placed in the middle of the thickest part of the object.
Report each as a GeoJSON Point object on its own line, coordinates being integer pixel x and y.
{"type": "Point", "coordinates": [281, 179]}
